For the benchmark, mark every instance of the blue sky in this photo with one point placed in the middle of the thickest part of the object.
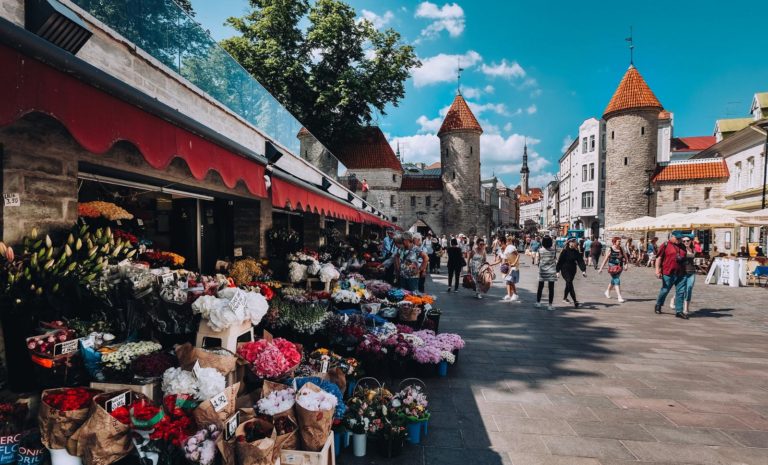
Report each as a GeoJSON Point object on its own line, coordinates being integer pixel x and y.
{"type": "Point", "coordinates": [536, 70]}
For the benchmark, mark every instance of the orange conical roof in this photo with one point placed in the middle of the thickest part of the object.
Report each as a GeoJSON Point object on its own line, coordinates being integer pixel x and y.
{"type": "Point", "coordinates": [459, 118]}
{"type": "Point", "coordinates": [632, 92]}
{"type": "Point", "coordinates": [303, 132]}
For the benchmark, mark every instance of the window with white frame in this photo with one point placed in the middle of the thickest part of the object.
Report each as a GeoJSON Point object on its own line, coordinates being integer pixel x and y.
{"type": "Point", "coordinates": [750, 181]}
{"type": "Point", "coordinates": [737, 176]}
{"type": "Point", "coordinates": [592, 143]}
{"type": "Point", "coordinates": [587, 200]}
{"type": "Point", "coordinates": [583, 172]}
{"type": "Point", "coordinates": [591, 171]}
{"type": "Point", "coordinates": [584, 145]}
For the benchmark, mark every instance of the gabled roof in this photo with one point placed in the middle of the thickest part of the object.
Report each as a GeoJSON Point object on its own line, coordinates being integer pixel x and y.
{"type": "Point", "coordinates": [762, 99]}
{"type": "Point", "coordinates": [435, 165]}
{"type": "Point", "coordinates": [534, 194]}
{"type": "Point", "coordinates": [692, 144]}
{"type": "Point", "coordinates": [370, 150]}
{"type": "Point", "coordinates": [664, 114]}
{"type": "Point", "coordinates": [633, 92]}
{"type": "Point", "coordinates": [421, 183]}
{"type": "Point", "coordinates": [732, 124]}
{"type": "Point", "coordinates": [459, 118]}
{"type": "Point", "coordinates": [688, 170]}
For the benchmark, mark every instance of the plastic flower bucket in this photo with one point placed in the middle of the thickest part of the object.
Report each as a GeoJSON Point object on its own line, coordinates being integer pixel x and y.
{"type": "Point", "coordinates": [337, 439]}
{"type": "Point", "coordinates": [414, 431]}
{"type": "Point", "coordinates": [442, 368]}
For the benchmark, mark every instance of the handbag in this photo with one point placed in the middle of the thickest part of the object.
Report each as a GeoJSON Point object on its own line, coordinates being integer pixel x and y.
{"type": "Point", "coordinates": [615, 269]}
{"type": "Point", "coordinates": [504, 268]}
{"type": "Point", "coordinates": [468, 282]}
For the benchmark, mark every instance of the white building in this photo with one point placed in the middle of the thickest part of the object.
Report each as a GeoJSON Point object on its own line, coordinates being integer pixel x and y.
{"type": "Point", "coordinates": [532, 214]}
{"type": "Point", "coordinates": [564, 190]}
{"type": "Point", "coordinates": [586, 182]}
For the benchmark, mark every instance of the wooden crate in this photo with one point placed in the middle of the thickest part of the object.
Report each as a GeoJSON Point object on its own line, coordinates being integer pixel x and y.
{"type": "Point", "coordinates": [152, 390]}
{"type": "Point", "coordinates": [326, 456]}
{"type": "Point", "coordinates": [227, 339]}
{"type": "Point", "coordinates": [312, 282]}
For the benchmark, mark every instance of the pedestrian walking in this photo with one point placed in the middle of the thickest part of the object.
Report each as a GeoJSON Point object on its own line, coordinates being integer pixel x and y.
{"type": "Point", "coordinates": [587, 249]}
{"type": "Point", "coordinates": [456, 263]}
{"type": "Point", "coordinates": [478, 258]}
{"type": "Point", "coordinates": [411, 263]}
{"type": "Point", "coordinates": [547, 270]}
{"type": "Point", "coordinates": [670, 268]}
{"type": "Point", "coordinates": [434, 259]}
{"type": "Point", "coordinates": [388, 252]}
{"type": "Point", "coordinates": [535, 246]}
{"type": "Point", "coordinates": [617, 261]}
{"type": "Point", "coordinates": [510, 267]}
{"type": "Point", "coordinates": [697, 245]}
{"type": "Point", "coordinates": [690, 272]}
{"type": "Point", "coordinates": [570, 258]}
{"type": "Point", "coordinates": [653, 248]}
{"type": "Point", "coordinates": [595, 251]}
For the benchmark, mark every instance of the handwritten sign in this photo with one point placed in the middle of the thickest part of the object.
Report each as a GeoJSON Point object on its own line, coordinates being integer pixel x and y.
{"type": "Point", "coordinates": [12, 200]}
{"type": "Point", "coordinates": [324, 367]}
{"type": "Point", "coordinates": [120, 400]}
{"type": "Point", "coordinates": [238, 252]}
{"type": "Point", "coordinates": [230, 426]}
{"type": "Point", "coordinates": [219, 401]}
{"type": "Point", "coordinates": [65, 348]}
{"type": "Point", "coordinates": [167, 278]}
{"type": "Point", "coordinates": [139, 221]}
{"type": "Point", "coordinates": [238, 301]}
{"type": "Point", "coordinates": [196, 368]}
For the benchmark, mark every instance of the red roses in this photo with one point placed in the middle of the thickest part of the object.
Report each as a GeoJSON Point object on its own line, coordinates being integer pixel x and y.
{"type": "Point", "coordinates": [69, 399]}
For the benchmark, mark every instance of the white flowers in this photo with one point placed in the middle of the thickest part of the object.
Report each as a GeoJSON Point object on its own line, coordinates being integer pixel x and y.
{"type": "Point", "coordinates": [124, 355]}
{"type": "Point", "coordinates": [346, 297]}
{"type": "Point", "coordinates": [221, 315]}
{"type": "Point", "coordinates": [204, 386]}
{"type": "Point", "coordinates": [297, 272]}
{"type": "Point", "coordinates": [316, 401]}
{"type": "Point", "coordinates": [277, 402]}
{"type": "Point", "coordinates": [328, 273]}
{"type": "Point", "coordinates": [447, 356]}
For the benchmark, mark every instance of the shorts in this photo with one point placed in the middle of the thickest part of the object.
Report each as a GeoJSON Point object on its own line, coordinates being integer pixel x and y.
{"type": "Point", "coordinates": [616, 279]}
{"type": "Point", "coordinates": [513, 277]}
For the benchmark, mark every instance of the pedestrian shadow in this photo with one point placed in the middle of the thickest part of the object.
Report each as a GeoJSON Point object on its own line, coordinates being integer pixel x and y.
{"type": "Point", "coordinates": [633, 299]}
{"type": "Point", "coordinates": [712, 313]}
{"type": "Point", "coordinates": [596, 305]}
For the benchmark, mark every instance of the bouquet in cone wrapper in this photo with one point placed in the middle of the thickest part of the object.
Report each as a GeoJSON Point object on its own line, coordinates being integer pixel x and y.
{"type": "Point", "coordinates": [277, 403]}
{"type": "Point", "coordinates": [314, 409]}
{"type": "Point", "coordinates": [256, 443]}
{"type": "Point", "coordinates": [61, 413]}
{"type": "Point", "coordinates": [217, 412]}
{"type": "Point", "coordinates": [221, 359]}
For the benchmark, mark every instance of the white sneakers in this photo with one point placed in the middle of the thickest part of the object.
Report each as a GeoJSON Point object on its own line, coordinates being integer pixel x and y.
{"type": "Point", "coordinates": [621, 301]}
{"type": "Point", "coordinates": [672, 304]}
{"type": "Point", "coordinates": [566, 301]}
{"type": "Point", "coordinates": [550, 308]}
{"type": "Point", "coordinates": [537, 305]}
{"type": "Point", "coordinates": [607, 294]}
{"type": "Point", "coordinates": [515, 298]}
{"type": "Point", "coordinates": [507, 297]}
{"type": "Point", "coordinates": [479, 296]}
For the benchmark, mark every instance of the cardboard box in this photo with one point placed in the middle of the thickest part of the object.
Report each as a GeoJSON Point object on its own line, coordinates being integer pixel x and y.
{"type": "Point", "coordinates": [227, 339]}
{"type": "Point", "coordinates": [326, 456]}
{"type": "Point", "coordinates": [152, 390]}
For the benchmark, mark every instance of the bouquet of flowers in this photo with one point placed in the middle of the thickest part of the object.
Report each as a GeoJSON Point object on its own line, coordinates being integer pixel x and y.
{"type": "Point", "coordinates": [152, 365]}
{"type": "Point", "coordinates": [305, 318]}
{"type": "Point", "coordinates": [264, 289]}
{"type": "Point", "coordinates": [315, 409]}
{"type": "Point", "coordinates": [346, 296]}
{"type": "Point", "coordinates": [297, 272]}
{"type": "Point", "coordinates": [277, 402]}
{"type": "Point", "coordinates": [372, 346]}
{"type": "Point", "coordinates": [378, 288]}
{"type": "Point", "coordinates": [220, 315]}
{"type": "Point", "coordinates": [62, 412]}
{"type": "Point", "coordinates": [120, 359]}
{"type": "Point", "coordinates": [450, 341]}
{"type": "Point", "coordinates": [202, 385]}
{"type": "Point", "coordinates": [270, 359]}
{"type": "Point", "coordinates": [412, 403]}
{"type": "Point", "coordinates": [200, 448]}
{"type": "Point", "coordinates": [244, 271]}
{"type": "Point", "coordinates": [107, 210]}
{"type": "Point", "coordinates": [396, 295]}
{"type": "Point", "coordinates": [359, 414]}
{"type": "Point", "coordinates": [398, 344]}
{"type": "Point", "coordinates": [427, 354]}
{"type": "Point", "coordinates": [420, 300]}
{"type": "Point", "coordinates": [328, 273]}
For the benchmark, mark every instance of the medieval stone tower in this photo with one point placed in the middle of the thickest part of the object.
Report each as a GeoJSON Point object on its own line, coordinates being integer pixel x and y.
{"type": "Point", "coordinates": [313, 151]}
{"type": "Point", "coordinates": [460, 162]}
{"type": "Point", "coordinates": [631, 118]}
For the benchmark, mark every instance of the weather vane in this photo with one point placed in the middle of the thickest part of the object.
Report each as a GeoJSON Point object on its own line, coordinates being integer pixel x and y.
{"type": "Point", "coordinates": [459, 69]}
{"type": "Point", "coordinates": [631, 47]}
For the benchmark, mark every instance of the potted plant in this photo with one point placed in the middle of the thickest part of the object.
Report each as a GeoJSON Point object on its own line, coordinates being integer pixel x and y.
{"type": "Point", "coordinates": [357, 421]}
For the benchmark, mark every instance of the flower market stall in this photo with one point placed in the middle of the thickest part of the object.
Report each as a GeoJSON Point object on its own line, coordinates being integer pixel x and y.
{"type": "Point", "coordinates": [136, 358]}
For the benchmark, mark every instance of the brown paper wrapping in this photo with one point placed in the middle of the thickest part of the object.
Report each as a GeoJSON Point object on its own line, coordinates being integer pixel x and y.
{"type": "Point", "coordinates": [227, 450]}
{"type": "Point", "coordinates": [270, 387]}
{"type": "Point", "coordinates": [102, 440]}
{"type": "Point", "coordinates": [205, 415]}
{"type": "Point", "coordinates": [188, 355]}
{"type": "Point", "coordinates": [314, 427]}
{"type": "Point", "coordinates": [337, 377]}
{"type": "Point", "coordinates": [57, 426]}
{"type": "Point", "coordinates": [288, 441]}
{"type": "Point", "coordinates": [261, 452]}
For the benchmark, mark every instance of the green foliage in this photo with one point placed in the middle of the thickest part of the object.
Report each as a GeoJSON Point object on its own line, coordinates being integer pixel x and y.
{"type": "Point", "coordinates": [332, 76]}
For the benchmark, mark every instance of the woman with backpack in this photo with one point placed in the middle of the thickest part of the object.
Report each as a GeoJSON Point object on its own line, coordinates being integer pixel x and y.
{"type": "Point", "coordinates": [510, 261]}
{"type": "Point", "coordinates": [617, 262]}
{"type": "Point", "coordinates": [571, 258]}
{"type": "Point", "coordinates": [547, 270]}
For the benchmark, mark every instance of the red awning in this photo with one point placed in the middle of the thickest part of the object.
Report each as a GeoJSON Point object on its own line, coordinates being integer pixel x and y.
{"type": "Point", "coordinates": [98, 120]}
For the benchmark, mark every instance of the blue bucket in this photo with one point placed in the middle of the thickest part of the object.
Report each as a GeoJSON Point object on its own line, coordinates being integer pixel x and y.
{"type": "Point", "coordinates": [442, 369]}
{"type": "Point", "coordinates": [337, 439]}
{"type": "Point", "coordinates": [414, 432]}
{"type": "Point", "coordinates": [425, 424]}
{"type": "Point", "coordinates": [351, 385]}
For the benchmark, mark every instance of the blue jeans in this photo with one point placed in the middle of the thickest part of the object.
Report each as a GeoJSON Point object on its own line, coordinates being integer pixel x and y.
{"type": "Point", "coordinates": [688, 281]}
{"type": "Point", "coordinates": [409, 284]}
{"type": "Point", "coordinates": [667, 282]}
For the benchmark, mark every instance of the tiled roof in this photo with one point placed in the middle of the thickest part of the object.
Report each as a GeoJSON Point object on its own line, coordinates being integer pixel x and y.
{"type": "Point", "coordinates": [733, 124]}
{"type": "Point", "coordinates": [692, 144]}
{"type": "Point", "coordinates": [303, 132]}
{"type": "Point", "coordinates": [421, 183]}
{"type": "Point", "coordinates": [691, 170]}
{"type": "Point", "coordinates": [370, 151]}
{"type": "Point", "coordinates": [434, 165]}
{"type": "Point", "coordinates": [664, 114]}
{"type": "Point", "coordinates": [534, 194]}
{"type": "Point", "coordinates": [633, 92]}
{"type": "Point", "coordinates": [459, 118]}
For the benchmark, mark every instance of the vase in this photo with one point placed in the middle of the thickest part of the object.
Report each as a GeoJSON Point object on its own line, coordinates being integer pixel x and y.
{"type": "Point", "coordinates": [359, 442]}
{"type": "Point", "coordinates": [442, 368]}
{"type": "Point", "coordinates": [390, 447]}
{"type": "Point", "coordinates": [351, 385]}
{"type": "Point", "coordinates": [62, 457]}
{"type": "Point", "coordinates": [414, 432]}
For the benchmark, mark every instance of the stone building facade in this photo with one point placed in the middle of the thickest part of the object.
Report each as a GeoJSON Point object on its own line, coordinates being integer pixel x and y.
{"type": "Point", "coordinates": [311, 150]}
{"type": "Point", "coordinates": [690, 185]}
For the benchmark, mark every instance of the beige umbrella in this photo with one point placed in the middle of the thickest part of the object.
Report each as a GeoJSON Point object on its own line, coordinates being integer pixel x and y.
{"type": "Point", "coordinates": [758, 218]}
{"type": "Point", "coordinates": [703, 219]}
{"type": "Point", "coordinates": [627, 225]}
{"type": "Point", "coordinates": [662, 222]}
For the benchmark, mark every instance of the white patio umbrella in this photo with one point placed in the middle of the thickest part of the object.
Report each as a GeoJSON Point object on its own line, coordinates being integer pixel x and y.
{"type": "Point", "coordinates": [662, 222]}
{"type": "Point", "coordinates": [703, 219]}
{"type": "Point", "coordinates": [627, 225]}
{"type": "Point", "coordinates": [758, 218]}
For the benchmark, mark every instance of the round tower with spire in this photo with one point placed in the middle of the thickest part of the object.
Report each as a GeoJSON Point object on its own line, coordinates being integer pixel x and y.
{"type": "Point", "coordinates": [524, 171]}
{"type": "Point", "coordinates": [460, 161]}
{"type": "Point", "coordinates": [631, 126]}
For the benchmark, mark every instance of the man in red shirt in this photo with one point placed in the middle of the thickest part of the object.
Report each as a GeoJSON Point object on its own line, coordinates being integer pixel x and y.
{"type": "Point", "coordinates": [670, 268]}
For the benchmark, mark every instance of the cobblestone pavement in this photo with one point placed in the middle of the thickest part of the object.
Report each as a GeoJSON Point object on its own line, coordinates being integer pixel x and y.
{"type": "Point", "coordinates": [609, 383]}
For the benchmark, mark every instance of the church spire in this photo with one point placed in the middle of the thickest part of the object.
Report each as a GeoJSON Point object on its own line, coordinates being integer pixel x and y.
{"type": "Point", "coordinates": [524, 170]}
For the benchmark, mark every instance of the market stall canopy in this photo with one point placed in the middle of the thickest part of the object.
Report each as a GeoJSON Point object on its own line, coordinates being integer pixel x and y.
{"type": "Point", "coordinates": [628, 225]}
{"type": "Point", "coordinates": [758, 218]}
{"type": "Point", "coordinates": [702, 219]}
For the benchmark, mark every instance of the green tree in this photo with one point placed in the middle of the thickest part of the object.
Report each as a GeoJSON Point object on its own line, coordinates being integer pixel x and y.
{"type": "Point", "coordinates": [332, 76]}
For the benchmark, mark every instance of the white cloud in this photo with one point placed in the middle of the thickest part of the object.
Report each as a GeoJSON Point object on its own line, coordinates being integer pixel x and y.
{"type": "Point", "coordinates": [442, 68]}
{"type": "Point", "coordinates": [378, 21]}
{"type": "Point", "coordinates": [489, 89]}
{"type": "Point", "coordinates": [504, 69]}
{"type": "Point", "coordinates": [471, 92]}
{"type": "Point", "coordinates": [508, 127]}
{"type": "Point", "coordinates": [420, 147]}
{"type": "Point", "coordinates": [488, 127]}
{"type": "Point", "coordinates": [429, 125]}
{"type": "Point", "coordinates": [449, 17]}
{"type": "Point", "coordinates": [567, 140]}
{"type": "Point", "coordinates": [532, 109]}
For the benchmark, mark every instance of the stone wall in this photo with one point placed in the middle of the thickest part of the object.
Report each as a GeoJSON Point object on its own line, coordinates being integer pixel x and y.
{"type": "Point", "coordinates": [433, 215]}
{"type": "Point", "coordinates": [383, 183]}
{"type": "Point", "coordinates": [314, 152]}
{"type": "Point", "coordinates": [631, 150]}
{"type": "Point", "coordinates": [460, 160]}
{"type": "Point", "coordinates": [13, 11]}
{"type": "Point", "coordinates": [692, 195]}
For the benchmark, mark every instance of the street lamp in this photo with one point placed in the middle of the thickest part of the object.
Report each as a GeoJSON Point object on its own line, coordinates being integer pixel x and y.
{"type": "Point", "coordinates": [649, 191]}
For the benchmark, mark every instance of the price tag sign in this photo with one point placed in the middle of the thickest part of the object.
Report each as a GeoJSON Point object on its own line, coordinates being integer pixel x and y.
{"type": "Point", "coordinates": [120, 400]}
{"type": "Point", "coordinates": [167, 278]}
{"type": "Point", "coordinates": [196, 368]}
{"type": "Point", "coordinates": [65, 348]}
{"type": "Point", "coordinates": [238, 301]}
{"type": "Point", "coordinates": [139, 221]}
{"type": "Point", "coordinates": [230, 426]}
{"type": "Point", "coordinates": [238, 252]}
{"type": "Point", "coordinates": [12, 200]}
{"type": "Point", "coordinates": [219, 401]}
{"type": "Point", "coordinates": [119, 222]}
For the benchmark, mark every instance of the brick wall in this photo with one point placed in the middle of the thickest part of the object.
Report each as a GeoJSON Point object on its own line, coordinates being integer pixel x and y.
{"type": "Point", "coordinates": [625, 183]}
{"type": "Point", "coordinates": [692, 196]}
{"type": "Point", "coordinates": [460, 159]}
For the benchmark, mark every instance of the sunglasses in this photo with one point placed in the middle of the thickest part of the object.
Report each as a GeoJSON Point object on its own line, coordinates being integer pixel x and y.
{"type": "Point", "coordinates": [686, 240]}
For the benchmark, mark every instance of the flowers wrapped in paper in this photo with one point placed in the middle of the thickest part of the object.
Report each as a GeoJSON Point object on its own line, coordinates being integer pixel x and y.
{"type": "Point", "coordinates": [315, 409]}
{"type": "Point", "coordinates": [61, 413]}
{"type": "Point", "coordinates": [277, 402]}
{"type": "Point", "coordinates": [256, 443]}
{"type": "Point", "coordinates": [222, 360]}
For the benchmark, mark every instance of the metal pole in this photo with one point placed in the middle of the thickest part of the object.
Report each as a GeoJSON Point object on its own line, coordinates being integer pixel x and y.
{"type": "Point", "coordinates": [765, 166]}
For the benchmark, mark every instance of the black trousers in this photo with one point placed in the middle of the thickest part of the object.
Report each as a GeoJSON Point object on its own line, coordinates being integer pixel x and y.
{"type": "Point", "coordinates": [389, 274]}
{"type": "Point", "coordinates": [569, 289]}
{"type": "Point", "coordinates": [422, 282]}
{"type": "Point", "coordinates": [541, 289]}
{"type": "Point", "coordinates": [454, 271]}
